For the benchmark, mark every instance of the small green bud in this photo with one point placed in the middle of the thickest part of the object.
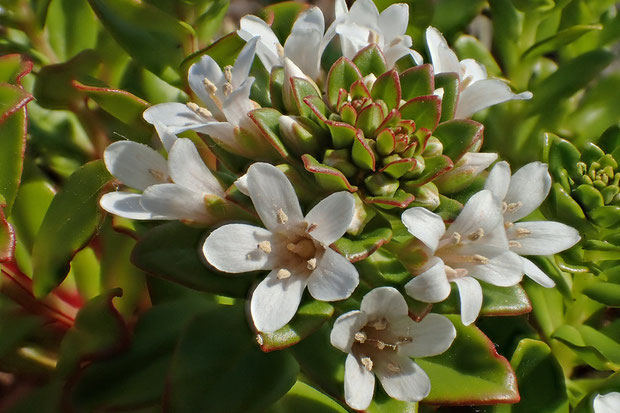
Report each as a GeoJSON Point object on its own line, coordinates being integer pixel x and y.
{"type": "Point", "coordinates": [379, 184]}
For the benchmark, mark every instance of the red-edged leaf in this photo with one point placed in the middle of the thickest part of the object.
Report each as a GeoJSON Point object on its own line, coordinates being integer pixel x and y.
{"type": "Point", "coordinates": [328, 178]}
{"type": "Point", "coordinates": [424, 110]}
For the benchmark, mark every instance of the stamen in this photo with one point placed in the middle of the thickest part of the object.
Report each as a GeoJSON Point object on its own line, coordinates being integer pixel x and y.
{"type": "Point", "coordinates": [373, 37]}
{"type": "Point", "coordinates": [367, 362]}
{"type": "Point", "coordinates": [515, 244]}
{"type": "Point", "coordinates": [199, 110]}
{"type": "Point", "coordinates": [228, 73]}
{"type": "Point", "coordinates": [522, 232]}
{"type": "Point", "coordinates": [378, 324]}
{"type": "Point", "coordinates": [264, 246]}
{"type": "Point", "coordinates": [474, 236]}
{"type": "Point", "coordinates": [280, 50]}
{"type": "Point", "coordinates": [310, 227]}
{"type": "Point", "coordinates": [260, 340]}
{"type": "Point", "coordinates": [396, 40]}
{"type": "Point", "coordinates": [282, 218]}
{"type": "Point", "coordinates": [453, 273]}
{"type": "Point", "coordinates": [393, 368]}
{"type": "Point", "coordinates": [228, 89]}
{"type": "Point", "coordinates": [514, 206]}
{"type": "Point", "coordinates": [311, 264]}
{"type": "Point", "coordinates": [209, 86]}
{"type": "Point", "coordinates": [455, 238]}
{"type": "Point", "coordinates": [282, 274]}
{"type": "Point", "coordinates": [507, 224]}
{"type": "Point", "coordinates": [360, 337]}
{"type": "Point", "coordinates": [479, 258]}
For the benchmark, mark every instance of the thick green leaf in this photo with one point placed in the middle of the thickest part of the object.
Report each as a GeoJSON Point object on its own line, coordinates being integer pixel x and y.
{"type": "Point", "coordinates": [457, 136]}
{"type": "Point", "coordinates": [417, 81]}
{"type": "Point", "coordinates": [72, 27]}
{"type": "Point", "coordinates": [281, 16]}
{"type": "Point", "coordinates": [72, 217]}
{"type": "Point", "coordinates": [12, 147]}
{"type": "Point", "coordinates": [13, 68]}
{"type": "Point", "coordinates": [328, 178]}
{"type": "Point", "coordinates": [387, 88]}
{"type": "Point", "coordinates": [7, 238]}
{"type": "Point", "coordinates": [540, 378]}
{"type": "Point", "coordinates": [171, 251]}
{"type": "Point", "coordinates": [560, 39]}
{"type": "Point", "coordinates": [149, 35]}
{"type": "Point", "coordinates": [218, 367]}
{"type": "Point", "coordinates": [370, 60]}
{"type": "Point", "coordinates": [425, 111]}
{"type": "Point", "coordinates": [302, 398]}
{"type": "Point", "coordinates": [356, 248]}
{"type": "Point", "coordinates": [341, 76]}
{"type": "Point", "coordinates": [496, 301]}
{"type": "Point", "coordinates": [224, 51]}
{"type": "Point", "coordinates": [449, 82]}
{"type": "Point", "coordinates": [470, 371]}
{"type": "Point", "coordinates": [99, 331]}
{"type": "Point", "coordinates": [469, 47]}
{"type": "Point", "coordinates": [584, 349]}
{"type": "Point", "coordinates": [309, 317]}
{"type": "Point", "coordinates": [13, 98]}
{"type": "Point", "coordinates": [33, 199]}
{"type": "Point", "coordinates": [569, 78]}
{"type": "Point", "coordinates": [137, 376]}
{"type": "Point", "coordinates": [606, 293]}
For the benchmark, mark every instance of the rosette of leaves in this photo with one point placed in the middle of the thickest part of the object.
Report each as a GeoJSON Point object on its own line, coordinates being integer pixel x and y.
{"type": "Point", "coordinates": [377, 131]}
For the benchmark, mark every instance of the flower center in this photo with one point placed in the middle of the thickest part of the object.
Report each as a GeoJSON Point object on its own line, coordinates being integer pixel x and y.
{"type": "Point", "coordinates": [374, 340]}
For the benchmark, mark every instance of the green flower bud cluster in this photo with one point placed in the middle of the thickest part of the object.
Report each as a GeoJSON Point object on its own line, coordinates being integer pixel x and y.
{"type": "Point", "coordinates": [590, 178]}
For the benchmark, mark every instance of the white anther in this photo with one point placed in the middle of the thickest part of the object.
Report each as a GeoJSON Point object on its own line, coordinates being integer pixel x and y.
{"type": "Point", "coordinates": [455, 238]}
{"type": "Point", "coordinates": [378, 324]}
{"type": "Point", "coordinates": [227, 89]}
{"type": "Point", "coordinates": [393, 368]}
{"type": "Point", "coordinates": [282, 218]}
{"type": "Point", "coordinates": [282, 274]}
{"type": "Point", "coordinates": [474, 236]}
{"type": "Point", "coordinates": [310, 227]}
{"type": "Point", "coordinates": [311, 264]}
{"type": "Point", "coordinates": [479, 258]}
{"type": "Point", "coordinates": [373, 37]}
{"type": "Point", "coordinates": [280, 50]}
{"type": "Point", "coordinates": [522, 232]}
{"type": "Point", "coordinates": [360, 337]}
{"type": "Point", "coordinates": [512, 207]}
{"type": "Point", "coordinates": [159, 175]}
{"type": "Point", "coordinates": [514, 244]}
{"type": "Point", "coordinates": [367, 362]}
{"type": "Point", "coordinates": [228, 73]}
{"type": "Point", "coordinates": [209, 86]}
{"type": "Point", "coordinates": [199, 110]}
{"type": "Point", "coordinates": [264, 246]}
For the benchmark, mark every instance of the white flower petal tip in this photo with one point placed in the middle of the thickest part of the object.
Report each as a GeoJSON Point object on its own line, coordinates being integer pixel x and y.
{"type": "Point", "coordinates": [379, 340]}
{"type": "Point", "coordinates": [135, 165]}
{"type": "Point", "coordinates": [606, 403]}
{"type": "Point", "coordinates": [126, 205]}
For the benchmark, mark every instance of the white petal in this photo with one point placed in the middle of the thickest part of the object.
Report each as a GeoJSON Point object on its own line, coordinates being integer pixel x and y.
{"type": "Point", "coordinates": [175, 202]}
{"type": "Point", "coordinates": [530, 186]}
{"type": "Point", "coordinates": [345, 327]}
{"type": "Point", "coordinates": [224, 133]}
{"type": "Point", "coordinates": [482, 210]}
{"type": "Point", "coordinates": [545, 237]}
{"type": "Point", "coordinates": [189, 170]}
{"type": "Point", "coordinates": [242, 184]}
{"type": "Point", "coordinates": [498, 180]}
{"type": "Point", "coordinates": [433, 335]}
{"type": "Point", "coordinates": [471, 163]}
{"type": "Point", "coordinates": [359, 383]}
{"type": "Point", "coordinates": [238, 103]}
{"type": "Point", "coordinates": [303, 44]}
{"type": "Point", "coordinates": [243, 64]}
{"type": "Point", "coordinates": [504, 270]}
{"type": "Point", "coordinates": [332, 217]}
{"type": "Point", "coordinates": [365, 13]}
{"type": "Point", "coordinates": [432, 285]}
{"type": "Point", "coordinates": [384, 302]}
{"type": "Point", "coordinates": [271, 192]}
{"type": "Point", "coordinates": [393, 21]}
{"type": "Point", "coordinates": [136, 165]}
{"type": "Point", "coordinates": [536, 274]}
{"type": "Point", "coordinates": [410, 384]}
{"type": "Point", "coordinates": [443, 58]}
{"type": "Point", "coordinates": [395, 51]}
{"type": "Point", "coordinates": [334, 278]}
{"type": "Point", "coordinates": [340, 8]}
{"type": "Point", "coordinates": [353, 37]}
{"type": "Point", "coordinates": [274, 302]}
{"type": "Point", "coordinates": [266, 49]}
{"type": "Point", "coordinates": [126, 205]}
{"type": "Point", "coordinates": [485, 93]}
{"type": "Point", "coordinates": [207, 68]}
{"type": "Point", "coordinates": [166, 136]}
{"type": "Point", "coordinates": [470, 294]}
{"type": "Point", "coordinates": [607, 403]}
{"type": "Point", "coordinates": [176, 116]}
{"type": "Point", "coordinates": [474, 70]}
{"type": "Point", "coordinates": [425, 225]}
{"type": "Point", "coordinates": [234, 248]}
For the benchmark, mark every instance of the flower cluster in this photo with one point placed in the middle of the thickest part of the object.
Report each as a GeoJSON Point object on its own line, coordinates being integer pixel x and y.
{"type": "Point", "coordinates": [374, 144]}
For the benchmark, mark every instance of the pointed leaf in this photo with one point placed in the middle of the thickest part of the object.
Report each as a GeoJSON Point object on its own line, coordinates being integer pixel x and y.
{"type": "Point", "coordinates": [387, 88]}
{"type": "Point", "coordinates": [73, 217]}
{"type": "Point", "coordinates": [449, 82]}
{"type": "Point", "coordinates": [417, 81]}
{"type": "Point", "coordinates": [12, 147]}
{"type": "Point", "coordinates": [341, 76]}
{"type": "Point", "coordinates": [458, 136]}
{"type": "Point", "coordinates": [371, 60]}
{"type": "Point", "coordinates": [559, 40]}
{"type": "Point", "coordinates": [425, 111]}
{"type": "Point", "coordinates": [328, 178]}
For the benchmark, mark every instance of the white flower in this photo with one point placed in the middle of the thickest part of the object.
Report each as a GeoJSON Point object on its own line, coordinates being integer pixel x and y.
{"type": "Point", "coordinates": [225, 95]}
{"type": "Point", "coordinates": [295, 248]}
{"type": "Point", "coordinates": [363, 25]}
{"type": "Point", "coordinates": [607, 403]}
{"type": "Point", "coordinates": [476, 91]}
{"type": "Point", "coordinates": [520, 196]}
{"type": "Point", "coordinates": [470, 164]}
{"type": "Point", "coordinates": [304, 45]}
{"type": "Point", "coordinates": [172, 189]}
{"type": "Point", "coordinates": [473, 247]}
{"type": "Point", "coordinates": [379, 340]}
